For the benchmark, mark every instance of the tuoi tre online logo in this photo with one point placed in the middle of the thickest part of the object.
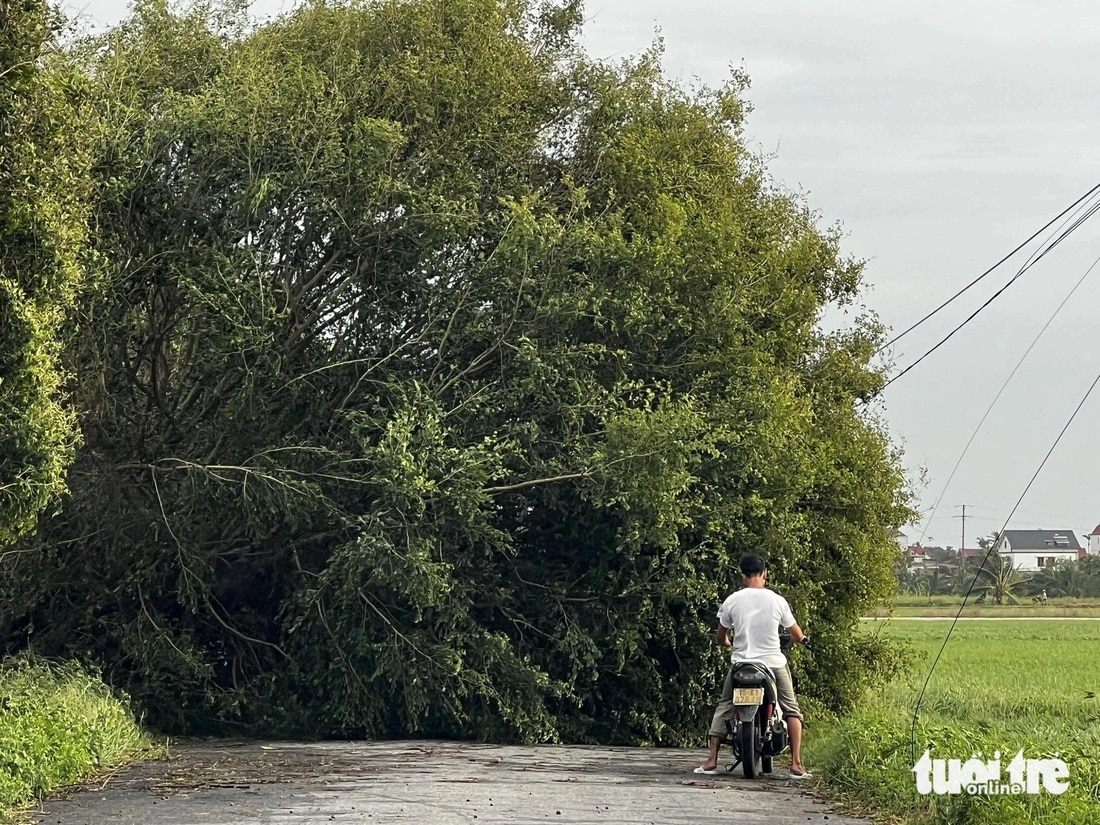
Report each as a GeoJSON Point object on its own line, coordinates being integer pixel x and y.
{"type": "Point", "coordinates": [976, 776]}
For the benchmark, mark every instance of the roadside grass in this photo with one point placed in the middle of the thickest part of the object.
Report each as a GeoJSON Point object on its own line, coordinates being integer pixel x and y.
{"type": "Point", "coordinates": [948, 606]}
{"type": "Point", "coordinates": [58, 724]}
{"type": "Point", "coordinates": [999, 687]}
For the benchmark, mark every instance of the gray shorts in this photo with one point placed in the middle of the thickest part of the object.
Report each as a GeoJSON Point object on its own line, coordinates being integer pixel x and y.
{"type": "Point", "coordinates": [784, 686]}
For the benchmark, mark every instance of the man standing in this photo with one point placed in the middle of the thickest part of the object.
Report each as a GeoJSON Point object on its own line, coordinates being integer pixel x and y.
{"type": "Point", "coordinates": [749, 621]}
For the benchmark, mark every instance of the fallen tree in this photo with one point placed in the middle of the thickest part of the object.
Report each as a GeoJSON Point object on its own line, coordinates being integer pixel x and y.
{"type": "Point", "coordinates": [436, 379]}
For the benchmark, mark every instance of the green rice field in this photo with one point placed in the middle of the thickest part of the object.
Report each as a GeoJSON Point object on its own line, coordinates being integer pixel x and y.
{"type": "Point", "coordinates": [1000, 685]}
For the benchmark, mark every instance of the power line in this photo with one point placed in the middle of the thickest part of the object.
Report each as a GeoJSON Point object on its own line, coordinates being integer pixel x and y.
{"type": "Point", "coordinates": [985, 558]}
{"type": "Point", "coordinates": [1030, 524]}
{"type": "Point", "coordinates": [989, 271]}
{"type": "Point", "coordinates": [1000, 392]}
{"type": "Point", "coordinates": [1035, 475]}
{"type": "Point", "coordinates": [1048, 518]}
{"type": "Point", "coordinates": [1078, 222]}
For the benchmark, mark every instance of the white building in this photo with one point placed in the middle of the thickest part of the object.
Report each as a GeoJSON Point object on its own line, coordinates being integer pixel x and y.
{"type": "Point", "coordinates": [1094, 541]}
{"type": "Point", "coordinates": [1034, 550]}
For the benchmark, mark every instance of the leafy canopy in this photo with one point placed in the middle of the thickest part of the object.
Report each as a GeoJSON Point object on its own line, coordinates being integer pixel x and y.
{"type": "Point", "coordinates": [43, 180]}
{"type": "Point", "coordinates": [437, 380]}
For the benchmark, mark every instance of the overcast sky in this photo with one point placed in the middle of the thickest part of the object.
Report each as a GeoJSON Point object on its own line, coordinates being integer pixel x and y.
{"type": "Point", "coordinates": [940, 134]}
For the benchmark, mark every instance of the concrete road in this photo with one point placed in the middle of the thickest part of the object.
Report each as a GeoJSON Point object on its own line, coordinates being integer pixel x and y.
{"type": "Point", "coordinates": [225, 783]}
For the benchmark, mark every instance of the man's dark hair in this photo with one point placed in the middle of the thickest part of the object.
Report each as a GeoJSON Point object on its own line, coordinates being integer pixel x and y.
{"type": "Point", "coordinates": [752, 565]}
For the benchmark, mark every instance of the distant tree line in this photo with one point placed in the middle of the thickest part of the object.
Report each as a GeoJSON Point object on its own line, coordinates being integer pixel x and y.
{"type": "Point", "coordinates": [944, 573]}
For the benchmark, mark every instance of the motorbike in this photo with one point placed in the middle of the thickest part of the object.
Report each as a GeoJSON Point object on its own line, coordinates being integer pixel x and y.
{"type": "Point", "coordinates": [758, 731]}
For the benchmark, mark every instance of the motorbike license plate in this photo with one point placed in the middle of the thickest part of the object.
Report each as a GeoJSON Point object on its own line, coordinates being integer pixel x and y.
{"type": "Point", "coordinates": [748, 696]}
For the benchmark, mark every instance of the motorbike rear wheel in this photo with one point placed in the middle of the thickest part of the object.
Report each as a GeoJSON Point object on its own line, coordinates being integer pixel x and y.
{"type": "Point", "coordinates": [750, 754]}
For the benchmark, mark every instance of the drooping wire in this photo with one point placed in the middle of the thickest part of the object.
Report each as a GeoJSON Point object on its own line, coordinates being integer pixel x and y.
{"type": "Point", "coordinates": [989, 271]}
{"type": "Point", "coordinates": [1077, 223]}
{"type": "Point", "coordinates": [981, 567]}
{"type": "Point", "coordinates": [1000, 392]}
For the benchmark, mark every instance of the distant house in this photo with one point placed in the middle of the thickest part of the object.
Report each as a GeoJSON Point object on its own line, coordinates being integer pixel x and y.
{"type": "Point", "coordinates": [1034, 550]}
{"type": "Point", "coordinates": [900, 539]}
{"type": "Point", "coordinates": [917, 557]}
{"type": "Point", "coordinates": [972, 554]}
{"type": "Point", "coordinates": [944, 559]}
{"type": "Point", "coordinates": [1094, 541]}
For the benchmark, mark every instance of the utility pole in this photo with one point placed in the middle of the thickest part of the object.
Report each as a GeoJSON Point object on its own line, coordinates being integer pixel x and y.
{"type": "Point", "coordinates": [963, 517]}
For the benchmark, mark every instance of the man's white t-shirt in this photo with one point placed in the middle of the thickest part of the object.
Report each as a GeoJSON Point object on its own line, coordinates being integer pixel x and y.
{"type": "Point", "coordinates": [754, 614]}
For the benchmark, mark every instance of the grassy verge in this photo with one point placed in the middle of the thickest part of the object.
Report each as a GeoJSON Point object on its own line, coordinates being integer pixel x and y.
{"type": "Point", "coordinates": [999, 687]}
{"type": "Point", "coordinates": [1006, 612]}
{"type": "Point", "coordinates": [948, 606]}
{"type": "Point", "coordinates": [58, 724]}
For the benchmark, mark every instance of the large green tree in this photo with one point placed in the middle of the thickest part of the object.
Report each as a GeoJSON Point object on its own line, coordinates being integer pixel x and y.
{"type": "Point", "coordinates": [42, 230]}
{"type": "Point", "coordinates": [437, 380]}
